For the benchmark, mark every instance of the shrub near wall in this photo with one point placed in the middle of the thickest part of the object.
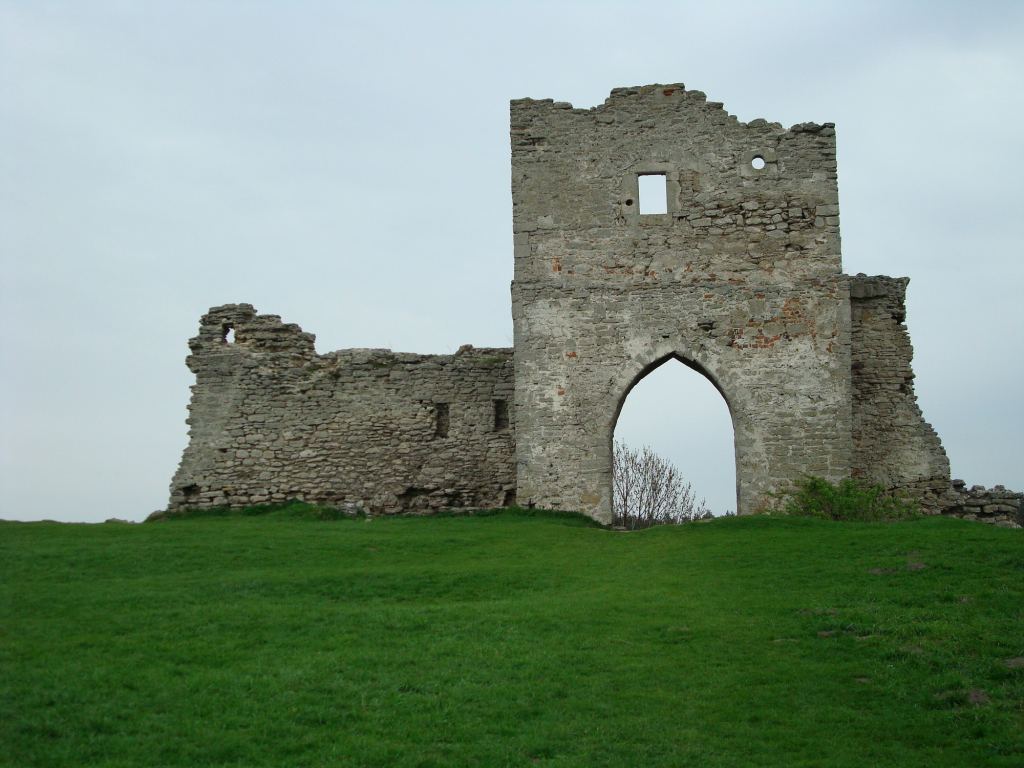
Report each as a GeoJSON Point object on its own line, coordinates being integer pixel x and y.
{"type": "Point", "coordinates": [848, 500]}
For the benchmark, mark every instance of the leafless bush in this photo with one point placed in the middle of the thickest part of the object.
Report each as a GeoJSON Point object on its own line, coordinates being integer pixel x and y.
{"type": "Point", "coordinates": [649, 490]}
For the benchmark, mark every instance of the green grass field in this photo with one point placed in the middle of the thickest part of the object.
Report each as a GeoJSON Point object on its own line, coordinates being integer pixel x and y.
{"type": "Point", "coordinates": [510, 640]}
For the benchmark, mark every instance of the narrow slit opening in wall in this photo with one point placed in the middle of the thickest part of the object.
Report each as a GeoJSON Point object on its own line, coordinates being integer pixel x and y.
{"type": "Point", "coordinates": [441, 420]}
{"type": "Point", "coordinates": [228, 334]}
{"type": "Point", "coordinates": [652, 189]}
{"type": "Point", "coordinates": [500, 415]}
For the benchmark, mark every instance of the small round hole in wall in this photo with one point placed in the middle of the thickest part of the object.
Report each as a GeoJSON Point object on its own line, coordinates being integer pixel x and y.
{"type": "Point", "coordinates": [629, 202]}
{"type": "Point", "coordinates": [757, 163]}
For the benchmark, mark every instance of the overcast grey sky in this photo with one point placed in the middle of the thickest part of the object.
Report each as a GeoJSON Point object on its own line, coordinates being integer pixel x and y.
{"type": "Point", "coordinates": [346, 166]}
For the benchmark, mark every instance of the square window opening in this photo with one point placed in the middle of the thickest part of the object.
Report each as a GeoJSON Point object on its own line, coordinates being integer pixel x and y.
{"type": "Point", "coordinates": [652, 190]}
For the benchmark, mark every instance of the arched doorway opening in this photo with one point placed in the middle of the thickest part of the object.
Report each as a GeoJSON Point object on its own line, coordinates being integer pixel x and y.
{"type": "Point", "coordinates": [676, 411]}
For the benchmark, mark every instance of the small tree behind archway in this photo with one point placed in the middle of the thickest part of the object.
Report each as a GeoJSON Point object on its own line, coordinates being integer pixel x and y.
{"type": "Point", "coordinates": [647, 490]}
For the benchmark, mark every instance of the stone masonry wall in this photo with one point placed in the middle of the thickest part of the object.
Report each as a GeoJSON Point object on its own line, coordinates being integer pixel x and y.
{"type": "Point", "coordinates": [271, 420]}
{"type": "Point", "coordinates": [893, 446]}
{"type": "Point", "coordinates": [740, 278]}
{"type": "Point", "coordinates": [997, 505]}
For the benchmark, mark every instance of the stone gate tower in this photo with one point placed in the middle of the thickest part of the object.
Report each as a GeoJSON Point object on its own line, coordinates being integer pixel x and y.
{"type": "Point", "coordinates": [740, 278]}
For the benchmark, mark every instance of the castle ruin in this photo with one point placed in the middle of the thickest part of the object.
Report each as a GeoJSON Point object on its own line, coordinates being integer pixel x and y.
{"type": "Point", "coordinates": [739, 278]}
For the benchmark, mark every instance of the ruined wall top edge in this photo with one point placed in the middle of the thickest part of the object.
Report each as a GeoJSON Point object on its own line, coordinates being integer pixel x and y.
{"type": "Point", "coordinates": [268, 333]}
{"type": "Point", "coordinates": [667, 93]}
{"type": "Point", "coordinates": [870, 286]}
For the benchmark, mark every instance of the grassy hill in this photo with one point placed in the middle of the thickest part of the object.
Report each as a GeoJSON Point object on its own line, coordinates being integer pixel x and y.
{"type": "Point", "coordinates": [510, 640]}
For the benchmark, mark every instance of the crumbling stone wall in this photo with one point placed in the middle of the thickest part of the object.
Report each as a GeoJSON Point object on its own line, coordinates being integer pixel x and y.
{"type": "Point", "coordinates": [893, 446]}
{"type": "Point", "coordinates": [740, 278]}
{"type": "Point", "coordinates": [271, 420]}
{"type": "Point", "coordinates": [997, 505]}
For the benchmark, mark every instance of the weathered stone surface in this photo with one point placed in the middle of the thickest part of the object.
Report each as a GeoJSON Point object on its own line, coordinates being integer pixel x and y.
{"type": "Point", "coordinates": [741, 279]}
{"type": "Point", "coordinates": [893, 446]}
{"type": "Point", "coordinates": [997, 505]}
{"type": "Point", "coordinates": [363, 428]}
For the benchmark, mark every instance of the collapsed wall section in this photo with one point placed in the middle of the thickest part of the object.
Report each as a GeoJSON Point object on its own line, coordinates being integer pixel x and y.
{"type": "Point", "coordinates": [271, 420]}
{"type": "Point", "coordinates": [893, 446]}
{"type": "Point", "coordinates": [997, 506]}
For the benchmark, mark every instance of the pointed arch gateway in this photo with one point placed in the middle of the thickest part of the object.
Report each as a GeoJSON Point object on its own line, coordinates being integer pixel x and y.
{"type": "Point", "coordinates": [740, 277]}
{"type": "Point", "coordinates": [678, 413]}
{"type": "Point", "coordinates": [589, 413]}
